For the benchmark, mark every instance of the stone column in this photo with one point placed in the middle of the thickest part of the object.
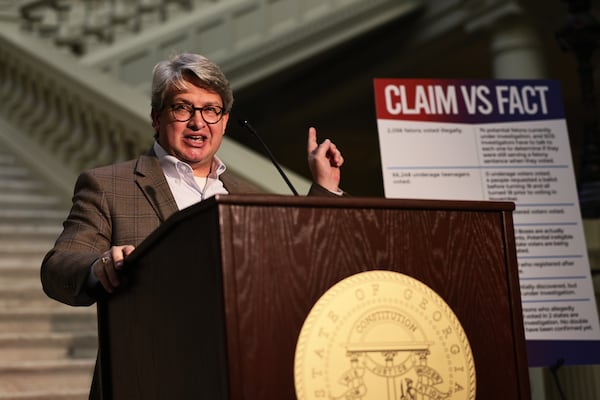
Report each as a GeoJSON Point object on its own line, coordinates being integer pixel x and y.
{"type": "Point", "coordinates": [516, 53]}
{"type": "Point", "coordinates": [516, 50]}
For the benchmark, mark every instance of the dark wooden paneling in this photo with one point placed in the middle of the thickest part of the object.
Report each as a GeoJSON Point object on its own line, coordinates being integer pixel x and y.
{"type": "Point", "coordinates": [461, 254]}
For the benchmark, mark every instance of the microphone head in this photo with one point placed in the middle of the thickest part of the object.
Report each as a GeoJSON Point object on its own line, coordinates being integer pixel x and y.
{"type": "Point", "coordinates": [242, 121]}
{"type": "Point", "coordinates": [245, 124]}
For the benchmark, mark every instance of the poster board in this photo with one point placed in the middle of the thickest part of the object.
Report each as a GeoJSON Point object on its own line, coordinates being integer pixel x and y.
{"type": "Point", "coordinates": [502, 140]}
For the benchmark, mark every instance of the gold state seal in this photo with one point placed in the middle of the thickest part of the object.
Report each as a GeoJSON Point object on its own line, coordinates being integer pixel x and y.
{"type": "Point", "coordinates": [383, 335]}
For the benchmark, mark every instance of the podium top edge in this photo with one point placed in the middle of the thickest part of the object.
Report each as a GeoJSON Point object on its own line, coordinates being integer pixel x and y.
{"type": "Point", "coordinates": [323, 202]}
{"type": "Point", "coordinates": [361, 202]}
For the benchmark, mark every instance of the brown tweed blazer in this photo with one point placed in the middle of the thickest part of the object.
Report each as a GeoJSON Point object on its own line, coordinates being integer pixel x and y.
{"type": "Point", "coordinates": [114, 205]}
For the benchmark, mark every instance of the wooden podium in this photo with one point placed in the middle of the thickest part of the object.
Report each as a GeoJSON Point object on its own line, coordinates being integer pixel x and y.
{"type": "Point", "coordinates": [214, 300]}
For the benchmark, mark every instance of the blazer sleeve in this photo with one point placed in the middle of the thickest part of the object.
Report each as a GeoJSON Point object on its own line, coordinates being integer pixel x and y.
{"type": "Point", "coordinates": [86, 235]}
{"type": "Point", "coordinates": [318, 190]}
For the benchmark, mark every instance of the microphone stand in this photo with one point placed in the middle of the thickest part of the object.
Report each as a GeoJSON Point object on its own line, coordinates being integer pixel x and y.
{"type": "Point", "coordinates": [245, 124]}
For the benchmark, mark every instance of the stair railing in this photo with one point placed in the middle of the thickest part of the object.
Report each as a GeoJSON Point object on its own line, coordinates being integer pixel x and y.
{"type": "Point", "coordinates": [78, 115]}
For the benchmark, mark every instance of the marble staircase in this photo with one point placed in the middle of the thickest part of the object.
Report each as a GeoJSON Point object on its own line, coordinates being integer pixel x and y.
{"type": "Point", "coordinates": [47, 349]}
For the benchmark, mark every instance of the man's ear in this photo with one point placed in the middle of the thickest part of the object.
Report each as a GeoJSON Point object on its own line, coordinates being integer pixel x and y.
{"type": "Point", "coordinates": [225, 121]}
{"type": "Point", "coordinates": [155, 119]}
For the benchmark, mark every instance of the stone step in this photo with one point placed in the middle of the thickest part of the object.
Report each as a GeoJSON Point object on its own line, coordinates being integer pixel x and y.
{"type": "Point", "coordinates": [47, 349]}
{"type": "Point", "coordinates": [28, 200]}
{"type": "Point", "coordinates": [12, 171]}
{"type": "Point", "coordinates": [19, 185]}
{"type": "Point", "coordinates": [66, 394]}
{"type": "Point", "coordinates": [48, 376]}
{"type": "Point", "coordinates": [25, 295]}
{"type": "Point", "coordinates": [29, 230]}
{"type": "Point", "coordinates": [19, 269]}
{"type": "Point", "coordinates": [35, 346]}
{"type": "Point", "coordinates": [13, 247]}
{"type": "Point", "coordinates": [7, 159]}
{"type": "Point", "coordinates": [58, 319]}
{"type": "Point", "coordinates": [17, 263]}
{"type": "Point", "coordinates": [16, 215]}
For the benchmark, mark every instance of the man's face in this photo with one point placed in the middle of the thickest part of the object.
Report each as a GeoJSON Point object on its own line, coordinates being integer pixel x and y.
{"type": "Point", "coordinates": [194, 142]}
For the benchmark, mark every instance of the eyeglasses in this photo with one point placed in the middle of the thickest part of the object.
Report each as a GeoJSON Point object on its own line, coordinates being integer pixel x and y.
{"type": "Point", "coordinates": [183, 112]}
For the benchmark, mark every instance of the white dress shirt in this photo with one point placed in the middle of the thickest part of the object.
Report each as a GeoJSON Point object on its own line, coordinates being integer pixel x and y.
{"type": "Point", "coordinates": [186, 188]}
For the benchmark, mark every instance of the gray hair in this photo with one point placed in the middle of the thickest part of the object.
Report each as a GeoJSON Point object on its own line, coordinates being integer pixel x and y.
{"type": "Point", "coordinates": [175, 74]}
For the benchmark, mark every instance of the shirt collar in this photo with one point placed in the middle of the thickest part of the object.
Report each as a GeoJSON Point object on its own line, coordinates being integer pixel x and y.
{"type": "Point", "coordinates": [171, 163]}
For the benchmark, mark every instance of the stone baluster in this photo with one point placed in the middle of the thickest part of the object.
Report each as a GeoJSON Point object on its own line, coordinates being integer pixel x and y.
{"type": "Point", "coordinates": [32, 15]}
{"type": "Point", "coordinates": [7, 81]}
{"type": "Point", "coordinates": [37, 113]}
{"type": "Point", "coordinates": [186, 5]}
{"type": "Point", "coordinates": [49, 24]}
{"type": "Point", "coordinates": [47, 127]}
{"type": "Point", "coordinates": [96, 22]}
{"type": "Point", "coordinates": [122, 17]}
{"type": "Point", "coordinates": [17, 94]}
{"type": "Point", "coordinates": [147, 14]}
{"type": "Point", "coordinates": [61, 132]}
{"type": "Point", "coordinates": [70, 31]}
{"type": "Point", "coordinates": [72, 147]}
{"type": "Point", "coordinates": [84, 146]}
{"type": "Point", "coordinates": [28, 101]}
{"type": "Point", "coordinates": [105, 153]}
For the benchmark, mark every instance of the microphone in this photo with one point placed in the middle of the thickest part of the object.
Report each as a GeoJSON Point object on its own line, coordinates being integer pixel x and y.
{"type": "Point", "coordinates": [245, 124]}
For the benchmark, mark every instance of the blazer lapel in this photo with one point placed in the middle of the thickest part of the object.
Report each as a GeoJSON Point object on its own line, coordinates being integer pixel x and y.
{"type": "Point", "coordinates": [152, 182]}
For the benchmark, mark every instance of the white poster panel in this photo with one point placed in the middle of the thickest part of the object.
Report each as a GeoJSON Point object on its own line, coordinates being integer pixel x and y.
{"type": "Point", "coordinates": [501, 140]}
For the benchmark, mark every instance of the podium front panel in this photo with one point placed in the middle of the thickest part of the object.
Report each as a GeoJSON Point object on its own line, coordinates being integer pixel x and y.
{"type": "Point", "coordinates": [279, 259]}
{"type": "Point", "coordinates": [218, 295]}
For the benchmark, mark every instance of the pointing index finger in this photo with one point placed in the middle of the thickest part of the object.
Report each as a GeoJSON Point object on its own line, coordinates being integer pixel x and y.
{"type": "Point", "coordinates": [312, 139]}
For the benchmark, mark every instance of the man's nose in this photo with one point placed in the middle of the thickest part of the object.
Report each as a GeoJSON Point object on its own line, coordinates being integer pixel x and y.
{"type": "Point", "coordinates": [197, 120]}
